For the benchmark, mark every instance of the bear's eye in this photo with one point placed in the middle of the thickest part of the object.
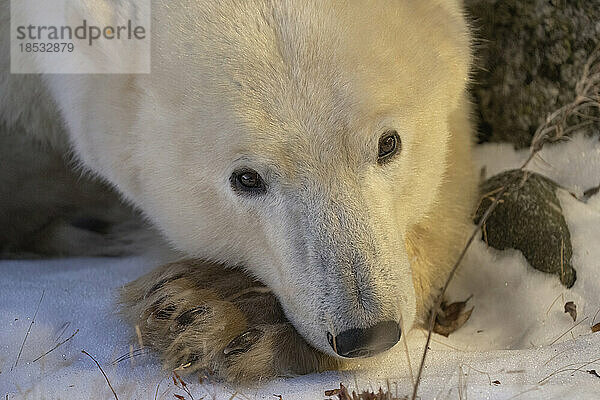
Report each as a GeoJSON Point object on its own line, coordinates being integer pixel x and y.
{"type": "Point", "coordinates": [248, 181]}
{"type": "Point", "coordinates": [389, 144]}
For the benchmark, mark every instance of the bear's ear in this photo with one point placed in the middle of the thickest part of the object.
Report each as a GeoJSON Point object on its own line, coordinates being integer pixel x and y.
{"type": "Point", "coordinates": [110, 36]}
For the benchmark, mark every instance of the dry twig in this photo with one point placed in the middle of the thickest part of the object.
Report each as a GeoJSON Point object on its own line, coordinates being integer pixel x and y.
{"type": "Point", "coordinates": [567, 368]}
{"type": "Point", "coordinates": [101, 370]}
{"type": "Point", "coordinates": [28, 330]}
{"type": "Point", "coordinates": [568, 330]}
{"type": "Point", "coordinates": [57, 345]}
{"type": "Point", "coordinates": [130, 355]}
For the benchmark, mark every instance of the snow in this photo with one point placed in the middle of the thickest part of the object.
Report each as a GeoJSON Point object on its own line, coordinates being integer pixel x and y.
{"type": "Point", "coordinates": [518, 335]}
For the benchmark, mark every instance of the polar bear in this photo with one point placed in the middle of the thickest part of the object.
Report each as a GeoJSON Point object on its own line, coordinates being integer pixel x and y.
{"type": "Point", "coordinates": [323, 148]}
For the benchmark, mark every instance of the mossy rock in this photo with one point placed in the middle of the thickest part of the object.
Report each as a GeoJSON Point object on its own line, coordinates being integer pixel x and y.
{"type": "Point", "coordinates": [528, 218]}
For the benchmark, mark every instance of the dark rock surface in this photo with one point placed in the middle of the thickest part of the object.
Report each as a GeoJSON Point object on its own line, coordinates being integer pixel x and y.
{"type": "Point", "coordinates": [528, 218]}
{"type": "Point", "coordinates": [529, 56]}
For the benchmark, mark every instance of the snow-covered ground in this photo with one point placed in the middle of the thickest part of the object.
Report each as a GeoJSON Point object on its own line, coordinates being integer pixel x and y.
{"type": "Point", "coordinates": [518, 343]}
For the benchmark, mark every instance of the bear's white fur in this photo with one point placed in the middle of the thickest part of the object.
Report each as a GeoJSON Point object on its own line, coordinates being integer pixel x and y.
{"type": "Point", "coordinates": [301, 92]}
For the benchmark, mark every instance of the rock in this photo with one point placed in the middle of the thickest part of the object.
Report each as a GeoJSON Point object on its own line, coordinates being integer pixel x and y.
{"type": "Point", "coordinates": [529, 56]}
{"type": "Point", "coordinates": [528, 218]}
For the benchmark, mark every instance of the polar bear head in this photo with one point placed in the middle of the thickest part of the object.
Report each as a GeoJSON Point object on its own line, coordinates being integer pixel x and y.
{"type": "Point", "coordinates": [300, 140]}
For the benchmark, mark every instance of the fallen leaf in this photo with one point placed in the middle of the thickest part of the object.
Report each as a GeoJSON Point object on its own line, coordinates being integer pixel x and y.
{"type": "Point", "coordinates": [343, 394]}
{"type": "Point", "coordinates": [451, 317]}
{"type": "Point", "coordinates": [596, 328]}
{"type": "Point", "coordinates": [571, 309]}
{"type": "Point", "coordinates": [496, 382]}
{"type": "Point", "coordinates": [332, 392]}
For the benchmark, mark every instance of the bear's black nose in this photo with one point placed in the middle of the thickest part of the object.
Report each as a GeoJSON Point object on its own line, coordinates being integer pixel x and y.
{"type": "Point", "coordinates": [365, 342]}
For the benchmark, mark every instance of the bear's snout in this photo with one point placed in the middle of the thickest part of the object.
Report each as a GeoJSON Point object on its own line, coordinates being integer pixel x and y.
{"type": "Point", "coordinates": [365, 342]}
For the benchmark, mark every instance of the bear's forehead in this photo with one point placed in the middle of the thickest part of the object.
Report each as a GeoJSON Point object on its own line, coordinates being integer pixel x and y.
{"type": "Point", "coordinates": [314, 83]}
{"type": "Point", "coordinates": [319, 75]}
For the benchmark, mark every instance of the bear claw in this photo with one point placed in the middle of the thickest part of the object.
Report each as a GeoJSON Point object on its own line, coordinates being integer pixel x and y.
{"type": "Point", "coordinates": [243, 342]}
{"type": "Point", "coordinates": [187, 317]}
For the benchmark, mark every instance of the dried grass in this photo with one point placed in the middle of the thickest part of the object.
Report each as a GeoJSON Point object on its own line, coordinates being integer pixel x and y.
{"type": "Point", "coordinates": [103, 373]}
{"type": "Point", "coordinates": [57, 346]}
{"type": "Point", "coordinates": [28, 330]}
